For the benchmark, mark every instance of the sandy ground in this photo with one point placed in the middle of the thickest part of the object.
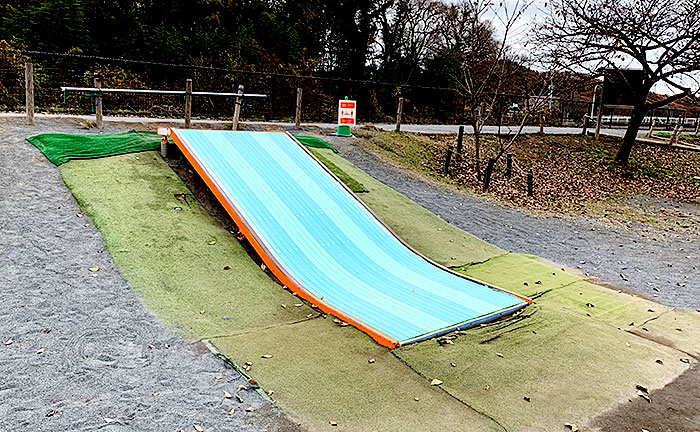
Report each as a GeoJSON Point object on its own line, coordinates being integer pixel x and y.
{"type": "Point", "coordinates": [662, 265]}
{"type": "Point", "coordinates": [78, 350]}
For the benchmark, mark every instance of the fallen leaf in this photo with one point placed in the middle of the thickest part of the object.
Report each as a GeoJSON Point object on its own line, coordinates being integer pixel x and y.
{"type": "Point", "coordinates": [309, 315]}
{"type": "Point", "coordinates": [590, 305]}
{"type": "Point", "coordinates": [250, 409]}
{"type": "Point", "coordinates": [266, 356]}
{"type": "Point", "coordinates": [178, 208]}
{"type": "Point", "coordinates": [488, 387]}
{"type": "Point", "coordinates": [94, 269]}
{"type": "Point", "coordinates": [240, 399]}
{"type": "Point", "coordinates": [227, 395]}
{"type": "Point", "coordinates": [333, 423]}
{"type": "Point", "coordinates": [298, 304]}
{"type": "Point", "coordinates": [241, 387]}
{"type": "Point", "coordinates": [233, 410]}
{"type": "Point", "coordinates": [642, 388]}
{"type": "Point", "coordinates": [198, 428]}
{"type": "Point", "coordinates": [270, 392]}
{"type": "Point", "coordinates": [9, 342]}
{"type": "Point", "coordinates": [51, 413]}
{"type": "Point", "coordinates": [499, 355]}
{"type": "Point", "coordinates": [41, 350]}
{"type": "Point", "coordinates": [526, 398]}
{"type": "Point", "coordinates": [108, 420]}
{"type": "Point", "coordinates": [227, 268]}
{"type": "Point", "coordinates": [283, 305]}
{"type": "Point", "coordinates": [47, 330]}
{"type": "Point", "coordinates": [371, 360]}
{"type": "Point", "coordinates": [263, 267]}
{"type": "Point", "coordinates": [219, 376]}
{"type": "Point", "coordinates": [156, 394]}
{"type": "Point", "coordinates": [643, 395]}
{"type": "Point", "coordinates": [416, 399]}
{"type": "Point", "coordinates": [251, 381]}
{"type": "Point", "coordinates": [659, 361]}
{"type": "Point", "coordinates": [202, 312]}
{"type": "Point", "coordinates": [212, 243]}
{"type": "Point", "coordinates": [453, 364]}
{"type": "Point", "coordinates": [435, 382]}
{"type": "Point", "coordinates": [572, 427]}
{"type": "Point", "coordinates": [685, 360]}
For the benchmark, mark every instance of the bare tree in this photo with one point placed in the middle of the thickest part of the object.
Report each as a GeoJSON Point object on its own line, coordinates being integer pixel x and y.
{"type": "Point", "coordinates": [662, 37]}
{"type": "Point", "coordinates": [486, 63]}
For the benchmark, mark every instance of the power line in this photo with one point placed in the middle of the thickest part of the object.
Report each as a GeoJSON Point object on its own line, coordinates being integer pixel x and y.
{"type": "Point", "coordinates": [220, 69]}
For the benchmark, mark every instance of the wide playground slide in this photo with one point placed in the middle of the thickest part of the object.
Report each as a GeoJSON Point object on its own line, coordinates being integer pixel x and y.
{"type": "Point", "coordinates": [323, 243]}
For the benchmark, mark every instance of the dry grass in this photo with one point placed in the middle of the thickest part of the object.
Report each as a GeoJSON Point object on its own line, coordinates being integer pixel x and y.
{"type": "Point", "coordinates": [573, 174]}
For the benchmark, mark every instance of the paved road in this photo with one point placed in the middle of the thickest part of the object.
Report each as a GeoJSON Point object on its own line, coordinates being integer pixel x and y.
{"type": "Point", "coordinates": [288, 125]}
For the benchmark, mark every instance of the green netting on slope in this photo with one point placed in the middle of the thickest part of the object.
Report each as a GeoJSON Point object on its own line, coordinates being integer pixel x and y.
{"type": "Point", "coordinates": [310, 141]}
{"type": "Point", "coordinates": [60, 148]}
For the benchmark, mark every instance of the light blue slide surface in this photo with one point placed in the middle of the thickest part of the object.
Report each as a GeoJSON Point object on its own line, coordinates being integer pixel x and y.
{"type": "Point", "coordinates": [330, 245]}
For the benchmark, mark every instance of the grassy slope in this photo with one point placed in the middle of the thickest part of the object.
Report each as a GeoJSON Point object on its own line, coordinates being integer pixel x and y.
{"type": "Point", "coordinates": [165, 253]}
{"type": "Point", "coordinates": [572, 366]}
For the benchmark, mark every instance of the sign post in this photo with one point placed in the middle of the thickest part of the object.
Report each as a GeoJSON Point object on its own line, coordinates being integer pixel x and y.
{"type": "Point", "coordinates": [347, 110]}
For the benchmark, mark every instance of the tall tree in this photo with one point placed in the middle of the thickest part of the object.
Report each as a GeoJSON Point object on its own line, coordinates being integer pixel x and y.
{"type": "Point", "coordinates": [662, 37]}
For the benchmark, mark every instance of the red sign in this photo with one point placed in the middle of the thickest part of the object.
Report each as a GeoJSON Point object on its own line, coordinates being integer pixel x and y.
{"type": "Point", "coordinates": [346, 112]}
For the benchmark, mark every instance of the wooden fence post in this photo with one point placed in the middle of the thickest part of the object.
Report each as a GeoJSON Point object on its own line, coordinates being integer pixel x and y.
{"type": "Point", "coordinates": [651, 127]}
{"type": "Point", "coordinates": [98, 105]}
{"type": "Point", "coordinates": [489, 172]}
{"type": "Point", "coordinates": [399, 115]}
{"type": "Point", "coordinates": [237, 109]}
{"type": "Point", "coordinates": [600, 115]}
{"type": "Point", "coordinates": [297, 115]}
{"type": "Point", "coordinates": [188, 103]}
{"type": "Point", "coordinates": [448, 158]}
{"type": "Point", "coordinates": [29, 90]}
{"type": "Point", "coordinates": [460, 141]}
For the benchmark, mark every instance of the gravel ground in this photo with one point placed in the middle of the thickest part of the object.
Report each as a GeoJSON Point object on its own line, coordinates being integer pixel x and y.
{"type": "Point", "coordinates": [659, 264]}
{"type": "Point", "coordinates": [78, 350]}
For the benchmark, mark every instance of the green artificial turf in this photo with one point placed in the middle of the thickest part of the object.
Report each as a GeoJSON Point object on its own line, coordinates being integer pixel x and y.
{"type": "Point", "coordinates": [311, 141]}
{"type": "Point", "coordinates": [350, 182]}
{"type": "Point", "coordinates": [320, 372]}
{"type": "Point", "coordinates": [60, 148]}
{"type": "Point", "coordinates": [571, 365]}
{"type": "Point", "coordinates": [161, 245]}
{"type": "Point", "coordinates": [432, 236]}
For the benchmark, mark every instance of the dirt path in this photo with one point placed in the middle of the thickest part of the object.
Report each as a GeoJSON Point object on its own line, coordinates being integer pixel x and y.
{"type": "Point", "coordinates": [662, 265]}
{"type": "Point", "coordinates": [78, 350]}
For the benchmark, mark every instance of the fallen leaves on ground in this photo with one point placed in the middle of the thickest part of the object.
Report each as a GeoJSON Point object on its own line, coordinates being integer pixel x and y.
{"type": "Point", "coordinates": [435, 382]}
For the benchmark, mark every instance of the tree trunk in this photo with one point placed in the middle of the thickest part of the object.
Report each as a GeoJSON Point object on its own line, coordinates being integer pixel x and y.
{"type": "Point", "coordinates": [623, 154]}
